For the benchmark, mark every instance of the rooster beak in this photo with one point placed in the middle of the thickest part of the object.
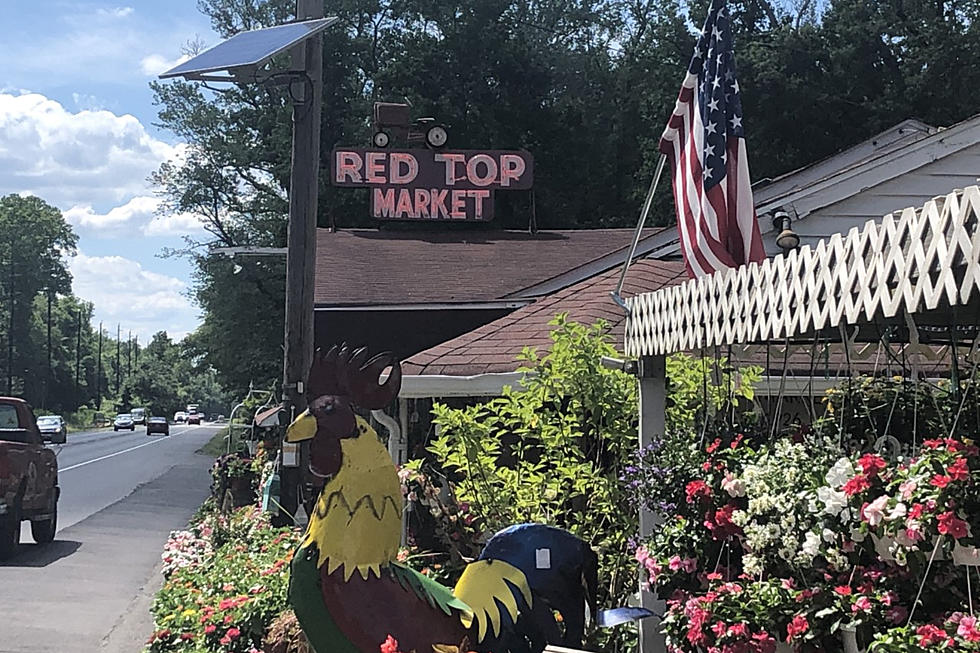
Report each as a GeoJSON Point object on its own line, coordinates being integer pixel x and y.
{"type": "Point", "coordinates": [302, 428]}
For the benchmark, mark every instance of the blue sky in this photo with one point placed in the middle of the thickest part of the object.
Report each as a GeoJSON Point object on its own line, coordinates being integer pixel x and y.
{"type": "Point", "coordinates": [76, 129]}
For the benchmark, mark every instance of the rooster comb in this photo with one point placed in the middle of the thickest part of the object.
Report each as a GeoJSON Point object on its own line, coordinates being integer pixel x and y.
{"type": "Point", "coordinates": [345, 372]}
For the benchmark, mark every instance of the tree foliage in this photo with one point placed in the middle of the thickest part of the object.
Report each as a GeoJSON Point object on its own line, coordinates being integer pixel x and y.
{"type": "Point", "coordinates": [586, 86]}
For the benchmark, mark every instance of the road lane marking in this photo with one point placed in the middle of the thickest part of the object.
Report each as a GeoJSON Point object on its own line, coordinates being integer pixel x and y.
{"type": "Point", "coordinates": [119, 453]}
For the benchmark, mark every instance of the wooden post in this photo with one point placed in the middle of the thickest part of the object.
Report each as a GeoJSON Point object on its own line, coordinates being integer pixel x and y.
{"type": "Point", "coordinates": [653, 402]}
{"type": "Point", "coordinates": [301, 235]}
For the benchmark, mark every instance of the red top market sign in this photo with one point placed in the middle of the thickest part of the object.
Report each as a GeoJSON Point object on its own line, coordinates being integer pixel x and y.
{"type": "Point", "coordinates": [432, 184]}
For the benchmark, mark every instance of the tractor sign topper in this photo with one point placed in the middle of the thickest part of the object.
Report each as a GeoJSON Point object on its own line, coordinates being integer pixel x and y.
{"type": "Point", "coordinates": [428, 183]}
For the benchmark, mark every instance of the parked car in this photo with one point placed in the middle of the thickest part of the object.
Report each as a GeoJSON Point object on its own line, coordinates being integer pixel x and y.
{"type": "Point", "coordinates": [194, 418]}
{"type": "Point", "coordinates": [157, 425]}
{"type": "Point", "coordinates": [139, 415]}
{"type": "Point", "coordinates": [28, 478]}
{"type": "Point", "coordinates": [123, 422]}
{"type": "Point", "coordinates": [53, 429]}
{"type": "Point", "coordinates": [180, 417]}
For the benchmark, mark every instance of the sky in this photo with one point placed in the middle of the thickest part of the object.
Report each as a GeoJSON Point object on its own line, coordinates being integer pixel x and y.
{"type": "Point", "coordinates": [77, 130]}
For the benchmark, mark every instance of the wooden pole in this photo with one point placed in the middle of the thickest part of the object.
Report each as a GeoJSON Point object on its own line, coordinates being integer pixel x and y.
{"type": "Point", "coordinates": [301, 236]}
{"type": "Point", "coordinates": [653, 403]}
{"type": "Point", "coordinates": [118, 355]}
{"type": "Point", "coordinates": [98, 374]}
{"type": "Point", "coordinates": [78, 354]}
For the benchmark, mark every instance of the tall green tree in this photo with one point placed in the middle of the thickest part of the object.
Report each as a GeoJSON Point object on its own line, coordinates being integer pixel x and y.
{"type": "Point", "coordinates": [34, 241]}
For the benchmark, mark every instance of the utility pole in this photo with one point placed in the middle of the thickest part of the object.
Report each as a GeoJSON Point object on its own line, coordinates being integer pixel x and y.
{"type": "Point", "coordinates": [10, 325]}
{"type": "Point", "coordinates": [301, 237]}
{"type": "Point", "coordinates": [98, 374]}
{"type": "Point", "coordinates": [78, 353]}
{"type": "Point", "coordinates": [47, 380]}
{"type": "Point", "coordinates": [136, 351]}
{"type": "Point", "coordinates": [129, 356]}
{"type": "Point", "coordinates": [118, 355]}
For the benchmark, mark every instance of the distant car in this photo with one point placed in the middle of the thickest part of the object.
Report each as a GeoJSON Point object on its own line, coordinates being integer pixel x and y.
{"type": "Point", "coordinates": [52, 428]}
{"type": "Point", "coordinates": [180, 417]}
{"type": "Point", "coordinates": [123, 421]}
{"type": "Point", "coordinates": [157, 425]}
{"type": "Point", "coordinates": [139, 415]}
{"type": "Point", "coordinates": [194, 418]}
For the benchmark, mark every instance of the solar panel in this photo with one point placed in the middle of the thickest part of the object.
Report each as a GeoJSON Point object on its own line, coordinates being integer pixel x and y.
{"type": "Point", "coordinates": [248, 49]}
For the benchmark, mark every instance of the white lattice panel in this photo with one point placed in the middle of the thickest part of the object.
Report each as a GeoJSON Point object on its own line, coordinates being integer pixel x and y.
{"type": "Point", "coordinates": [912, 261]}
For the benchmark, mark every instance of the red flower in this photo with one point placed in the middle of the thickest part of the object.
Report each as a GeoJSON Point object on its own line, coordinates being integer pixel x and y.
{"type": "Point", "coordinates": [714, 576]}
{"type": "Point", "coordinates": [871, 464]}
{"type": "Point", "coordinates": [940, 480]}
{"type": "Point", "coordinates": [390, 645]}
{"type": "Point", "coordinates": [930, 635]}
{"type": "Point", "coordinates": [949, 524]}
{"type": "Point", "coordinates": [932, 444]}
{"type": "Point", "coordinates": [711, 448]}
{"type": "Point", "coordinates": [738, 630]}
{"type": "Point", "coordinates": [719, 628]}
{"type": "Point", "coordinates": [915, 512]}
{"type": "Point", "coordinates": [958, 471]}
{"type": "Point", "coordinates": [843, 590]}
{"type": "Point", "coordinates": [764, 643]}
{"type": "Point", "coordinates": [797, 626]}
{"type": "Point", "coordinates": [210, 628]}
{"type": "Point", "coordinates": [187, 636]}
{"type": "Point", "coordinates": [697, 489]}
{"type": "Point", "coordinates": [856, 485]}
{"type": "Point", "coordinates": [721, 525]}
{"type": "Point", "coordinates": [233, 633]}
{"type": "Point", "coordinates": [737, 441]}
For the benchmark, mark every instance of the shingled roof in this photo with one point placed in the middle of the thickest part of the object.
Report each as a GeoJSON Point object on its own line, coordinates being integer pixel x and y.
{"type": "Point", "coordinates": [367, 267]}
{"type": "Point", "coordinates": [493, 348]}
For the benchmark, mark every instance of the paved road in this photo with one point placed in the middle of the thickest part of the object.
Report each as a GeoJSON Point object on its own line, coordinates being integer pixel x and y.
{"type": "Point", "coordinates": [121, 494]}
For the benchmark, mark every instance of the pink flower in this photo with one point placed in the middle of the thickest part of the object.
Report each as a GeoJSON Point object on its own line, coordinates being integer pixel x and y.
{"type": "Point", "coordinates": [862, 604]}
{"type": "Point", "coordinates": [788, 584]}
{"type": "Point", "coordinates": [907, 488]}
{"type": "Point", "coordinates": [674, 563]}
{"type": "Point", "coordinates": [233, 633]}
{"type": "Point", "coordinates": [888, 598]}
{"type": "Point", "coordinates": [958, 471]}
{"type": "Point", "coordinates": [719, 628]}
{"type": "Point", "coordinates": [738, 630]}
{"type": "Point", "coordinates": [874, 512]}
{"type": "Point", "coordinates": [843, 590]}
{"type": "Point", "coordinates": [764, 642]}
{"type": "Point", "coordinates": [967, 629]}
{"type": "Point", "coordinates": [796, 627]}
{"type": "Point", "coordinates": [689, 565]}
{"type": "Point", "coordinates": [714, 576]}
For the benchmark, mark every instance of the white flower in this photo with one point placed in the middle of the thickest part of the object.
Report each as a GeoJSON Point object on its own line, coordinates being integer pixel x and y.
{"type": "Point", "coordinates": [834, 501]}
{"type": "Point", "coordinates": [811, 544]}
{"type": "Point", "coordinates": [734, 486]}
{"type": "Point", "coordinates": [840, 473]}
{"type": "Point", "coordinates": [829, 535]}
{"type": "Point", "coordinates": [897, 512]}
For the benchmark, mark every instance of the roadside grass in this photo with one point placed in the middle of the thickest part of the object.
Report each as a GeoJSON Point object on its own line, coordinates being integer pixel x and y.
{"type": "Point", "coordinates": [216, 446]}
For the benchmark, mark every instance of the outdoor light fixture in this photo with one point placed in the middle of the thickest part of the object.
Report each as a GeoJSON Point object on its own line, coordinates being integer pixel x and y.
{"type": "Point", "coordinates": [787, 240]}
{"type": "Point", "coordinates": [610, 363]}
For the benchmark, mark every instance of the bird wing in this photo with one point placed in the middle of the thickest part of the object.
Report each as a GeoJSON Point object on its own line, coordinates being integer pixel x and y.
{"type": "Point", "coordinates": [434, 593]}
{"type": "Point", "coordinates": [487, 584]}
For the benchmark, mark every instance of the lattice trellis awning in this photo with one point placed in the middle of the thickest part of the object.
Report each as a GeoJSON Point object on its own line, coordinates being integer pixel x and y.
{"type": "Point", "coordinates": [918, 266]}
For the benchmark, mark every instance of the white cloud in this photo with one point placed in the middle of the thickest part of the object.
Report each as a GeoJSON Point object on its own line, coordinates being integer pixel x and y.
{"type": "Point", "coordinates": [115, 12]}
{"type": "Point", "coordinates": [179, 224]}
{"type": "Point", "coordinates": [126, 293]}
{"type": "Point", "coordinates": [154, 64]}
{"type": "Point", "coordinates": [138, 216]}
{"type": "Point", "coordinates": [88, 158]}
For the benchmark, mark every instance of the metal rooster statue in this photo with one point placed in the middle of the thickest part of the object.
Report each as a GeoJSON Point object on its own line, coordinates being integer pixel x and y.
{"type": "Point", "coordinates": [346, 586]}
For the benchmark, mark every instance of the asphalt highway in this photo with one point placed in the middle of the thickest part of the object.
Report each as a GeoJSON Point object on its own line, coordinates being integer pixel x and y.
{"type": "Point", "coordinates": [121, 495]}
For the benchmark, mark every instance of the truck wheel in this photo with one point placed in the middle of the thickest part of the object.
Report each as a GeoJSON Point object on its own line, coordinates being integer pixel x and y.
{"type": "Point", "coordinates": [43, 531]}
{"type": "Point", "coordinates": [9, 534]}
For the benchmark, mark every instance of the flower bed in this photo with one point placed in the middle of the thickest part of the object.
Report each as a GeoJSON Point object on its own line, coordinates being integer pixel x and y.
{"type": "Point", "coordinates": [765, 542]}
{"type": "Point", "coordinates": [226, 581]}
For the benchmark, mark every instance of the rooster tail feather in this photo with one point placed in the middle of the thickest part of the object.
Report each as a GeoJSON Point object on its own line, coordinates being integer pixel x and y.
{"type": "Point", "coordinates": [487, 585]}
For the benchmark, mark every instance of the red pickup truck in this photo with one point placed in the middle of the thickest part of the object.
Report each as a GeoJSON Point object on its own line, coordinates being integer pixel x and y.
{"type": "Point", "coordinates": [28, 478]}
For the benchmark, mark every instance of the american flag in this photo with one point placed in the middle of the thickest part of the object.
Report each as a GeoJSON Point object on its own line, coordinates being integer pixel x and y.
{"type": "Point", "coordinates": [705, 143]}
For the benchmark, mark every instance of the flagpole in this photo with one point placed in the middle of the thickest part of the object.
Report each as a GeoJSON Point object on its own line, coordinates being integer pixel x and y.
{"type": "Point", "coordinates": [644, 212]}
